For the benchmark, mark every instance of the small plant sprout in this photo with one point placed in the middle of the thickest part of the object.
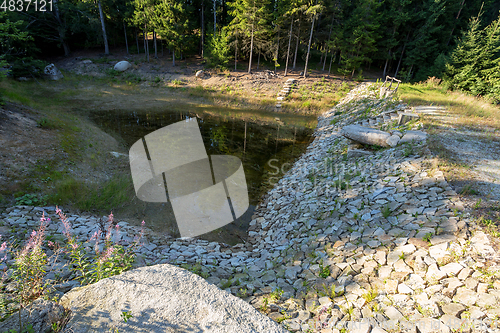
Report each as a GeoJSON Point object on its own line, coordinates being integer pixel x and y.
{"type": "Point", "coordinates": [386, 211]}
{"type": "Point", "coordinates": [126, 315]}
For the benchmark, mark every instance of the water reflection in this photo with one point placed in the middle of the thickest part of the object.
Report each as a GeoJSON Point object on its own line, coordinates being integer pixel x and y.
{"type": "Point", "coordinates": [253, 141]}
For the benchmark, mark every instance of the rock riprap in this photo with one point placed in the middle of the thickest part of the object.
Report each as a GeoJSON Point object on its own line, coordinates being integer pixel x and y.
{"type": "Point", "coordinates": [370, 242]}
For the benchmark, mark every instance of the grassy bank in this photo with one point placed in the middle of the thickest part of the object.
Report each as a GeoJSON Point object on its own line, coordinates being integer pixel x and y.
{"type": "Point", "coordinates": [475, 112]}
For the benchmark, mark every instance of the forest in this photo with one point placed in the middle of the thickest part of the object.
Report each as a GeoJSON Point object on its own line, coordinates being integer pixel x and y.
{"type": "Point", "coordinates": [456, 40]}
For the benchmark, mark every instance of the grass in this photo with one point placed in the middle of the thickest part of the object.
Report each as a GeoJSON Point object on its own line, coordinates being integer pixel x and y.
{"type": "Point", "coordinates": [475, 112]}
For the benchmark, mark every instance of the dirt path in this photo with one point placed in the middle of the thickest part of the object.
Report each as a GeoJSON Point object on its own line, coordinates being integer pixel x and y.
{"type": "Point", "coordinates": [470, 158]}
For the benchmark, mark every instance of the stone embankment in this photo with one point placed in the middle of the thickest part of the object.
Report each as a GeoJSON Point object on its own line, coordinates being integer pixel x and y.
{"type": "Point", "coordinates": [367, 242]}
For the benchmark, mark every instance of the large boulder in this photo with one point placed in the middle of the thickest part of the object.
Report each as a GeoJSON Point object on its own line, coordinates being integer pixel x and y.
{"type": "Point", "coordinates": [40, 314]}
{"type": "Point", "coordinates": [161, 298]}
{"type": "Point", "coordinates": [122, 66]}
{"type": "Point", "coordinates": [366, 135]}
{"type": "Point", "coordinates": [52, 73]}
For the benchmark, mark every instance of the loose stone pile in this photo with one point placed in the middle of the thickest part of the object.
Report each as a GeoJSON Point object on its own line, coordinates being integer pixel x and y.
{"type": "Point", "coordinates": [377, 242]}
{"type": "Point", "coordinates": [284, 92]}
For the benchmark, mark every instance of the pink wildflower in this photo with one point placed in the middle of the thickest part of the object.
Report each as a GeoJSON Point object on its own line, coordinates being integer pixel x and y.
{"type": "Point", "coordinates": [66, 224]}
{"type": "Point", "coordinates": [107, 255]}
{"type": "Point", "coordinates": [3, 247]}
{"type": "Point", "coordinates": [51, 244]}
{"type": "Point", "coordinates": [74, 246]}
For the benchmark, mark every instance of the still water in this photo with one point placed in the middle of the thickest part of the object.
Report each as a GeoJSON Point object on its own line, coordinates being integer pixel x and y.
{"type": "Point", "coordinates": [258, 139]}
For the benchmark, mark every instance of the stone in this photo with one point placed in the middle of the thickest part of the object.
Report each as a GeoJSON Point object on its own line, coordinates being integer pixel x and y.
{"type": "Point", "coordinates": [391, 286]}
{"type": "Point", "coordinates": [434, 273]}
{"type": "Point", "coordinates": [405, 117]}
{"type": "Point", "coordinates": [452, 269]}
{"type": "Point", "coordinates": [40, 314]}
{"type": "Point", "coordinates": [393, 140]}
{"type": "Point", "coordinates": [431, 325]}
{"type": "Point", "coordinates": [122, 66]}
{"type": "Point", "coordinates": [413, 136]}
{"type": "Point", "coordinates": [486, 300]}
{"type": "Point", "coordinates": [454, 309]}
{"type": "Point", "coordinates": [200, 73]}
{"type": "Point", "coordinates": [87, 62]}
{"type": "Point", "coordinates": [52, 72]}
{"type": "Point", "coordinates": [393, 313]}
{"type": "Point", "coordinates": [438, 251]}
{"type": "Point", "coordinates": [365, 135]}
{"type": "Point", "coordinates": [358, 153]}
{"type": "Point", "coordinates": [464, 273]}
{"type": "Point", "coordinates": [172, 298]}
{"type": "Point", "coordinates": [465, 296]}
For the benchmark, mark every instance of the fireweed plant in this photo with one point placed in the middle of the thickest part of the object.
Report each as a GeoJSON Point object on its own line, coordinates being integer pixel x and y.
{"type": "Point", "coordinates": [108, 258]}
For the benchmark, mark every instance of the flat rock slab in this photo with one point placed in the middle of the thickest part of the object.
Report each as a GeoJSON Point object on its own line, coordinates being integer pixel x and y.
{"type": "Point", "coordinates": [161, 298]}
{"type": "Point", "coordinates": [366, 135]}
{"type": "Point", "coordinates": [405, 117]}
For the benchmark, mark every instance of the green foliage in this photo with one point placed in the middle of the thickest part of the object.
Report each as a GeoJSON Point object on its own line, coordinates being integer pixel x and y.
{"type": "Point", "coordinates": [109, 259]}
{"type": "Point", "coordinates": [474, 65]}
{"type": "Point", "coordinates": [31, 200]}
{"type": "Point", "coordinates": [218, 50]}
{"type": "Point", "coordinates": [386, 211]}
{"type": "Point", "coordinates": [324, 271]}
{"type": "Point", "coordinates": [126, 315]}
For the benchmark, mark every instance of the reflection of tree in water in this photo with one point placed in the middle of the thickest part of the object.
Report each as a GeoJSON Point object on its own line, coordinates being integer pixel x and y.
{"type": "Point", "coordinates": [218, 137]}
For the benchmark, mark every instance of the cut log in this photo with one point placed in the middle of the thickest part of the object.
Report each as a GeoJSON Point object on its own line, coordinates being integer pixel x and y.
{"type": "Point", "coordinates": [365, 135]}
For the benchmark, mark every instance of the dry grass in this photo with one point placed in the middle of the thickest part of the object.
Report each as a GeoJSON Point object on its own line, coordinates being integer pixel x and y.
{"type": "Point", "coordinates": [475, 112]}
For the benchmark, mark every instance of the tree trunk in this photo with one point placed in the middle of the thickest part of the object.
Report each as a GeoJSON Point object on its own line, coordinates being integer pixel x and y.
{"type": "Point", "coordinates": [258, 61]}
{"type": "Point", "coordinates": [334, 53]}
{"type": "Point", "coordinates": [326, 48]}
{"type": "Point", "coordinates": [125, 32]}
{"type": "Point", "coordinates": [215, 18]}
{"type": "Point", "coordinates": [61, 30]}
{"type": "Point", "coordinates": [202, 29]}
{"type": "Point", "coordinates": [456, 19]}
{"type": "Point", "coordinates": [385, 66]}
{"type": "Point", "coordinates": [251, 54]}
{"type": "Point", "coordinates": [137, 41]}
{"type": "Point", "coordinates": [277, 51]}
{"type": "Point", "coordinates": [144, 38]}
{"type": "Point", "coordinates": [289, 42]}
{"type": "Point", "coordinates": [146, 43]}
{"type": "Point", "coordinates": [236, 52]}
{"type": "Point", "coordinates": [103, 26]}
{"type": "Point", "coordinates": [309, 46]}
{"type": "Point", "coordinates": [401, 57]}
{"type": "Point", "coordinates": [296, 47]}
{"type": "Point", "coordinates": [154, 42]}
{"type": "Point", "coordinates": [173, 58]}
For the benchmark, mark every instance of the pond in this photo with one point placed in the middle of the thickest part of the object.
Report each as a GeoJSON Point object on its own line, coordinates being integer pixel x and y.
{"type": "Point", "coordinates": [262, 141]}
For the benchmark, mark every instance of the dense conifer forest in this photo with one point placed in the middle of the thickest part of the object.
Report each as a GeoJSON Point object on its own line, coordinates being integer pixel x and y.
{"type": "Point", "coordinates": [456, 40]}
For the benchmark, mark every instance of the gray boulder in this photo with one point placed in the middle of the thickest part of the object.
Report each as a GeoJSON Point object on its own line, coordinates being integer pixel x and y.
{"type": "Point", "coordinates": [122, 66]}
{"type": "Point", "coordinates": [413, 136]}
{"type": "Point", "coordinates": [161, 298]}
{"type": "Point", "coordinates": [40, 314]}
{"type": "Point", "coordinates": [366, 135]}
{"type": "Point", "coordinates": [52, 73]}
{"type": "Point", "coordinates": [199, 74]}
